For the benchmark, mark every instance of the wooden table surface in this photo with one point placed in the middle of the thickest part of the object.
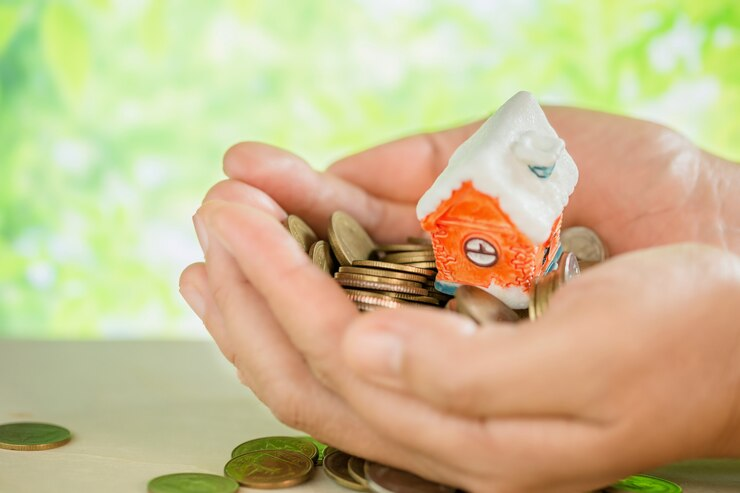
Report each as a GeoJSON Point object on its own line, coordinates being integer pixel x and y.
{"type": "Point", "coordinates": [140, 409]}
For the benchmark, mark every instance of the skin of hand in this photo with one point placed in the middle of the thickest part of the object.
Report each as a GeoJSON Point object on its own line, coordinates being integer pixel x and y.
{"type": "Point", "coordinates": [636, 363]}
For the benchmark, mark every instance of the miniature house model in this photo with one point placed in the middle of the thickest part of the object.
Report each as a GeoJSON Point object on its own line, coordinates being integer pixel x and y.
{"type": "Point", "coordinates": [494, 213]}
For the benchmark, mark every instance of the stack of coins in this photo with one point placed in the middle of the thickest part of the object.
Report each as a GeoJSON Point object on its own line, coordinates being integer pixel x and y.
{"type": "Point", "coordinates": [373, 276]}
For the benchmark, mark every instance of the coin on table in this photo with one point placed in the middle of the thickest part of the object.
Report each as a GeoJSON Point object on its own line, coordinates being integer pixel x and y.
{"type": "Point", "coordinates": [356, 469]}
{"type": "Point", "coordinates": [301, 231]}
{"type": "Point", "coordinates": [383, 273]}
{"type": "Point", "coordinates": [192, 482]}
{"type": "Point", "coordinates": [295, 444]}
{"type": "Point", "coordinates": [642, 483]}
{"type": "Point", "coordinates": [482, 306]}
{"type": "Point", "coordinates": [585, 243]}
{"type": "Point", "coordinates": [321, 256]}
{"type": "Point", "coordinates": [321, 447]}
{"type": "Point", "coordinates": [377, 264]}
{"type": "Point", "coordinates": [269, 469]}
{"type": "Point", "coordinates": [386, 479]}
{"type": "Point", "coordinates": [382, 286]}
{"type": "Point", "coordinates": [336, 467]}
{"type": "Point", "coordinates": [33, 436]}
{"type": "Point", "coordinates": [349, 241]}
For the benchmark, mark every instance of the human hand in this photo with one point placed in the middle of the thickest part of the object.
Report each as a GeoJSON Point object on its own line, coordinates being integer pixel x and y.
{"type": "Point", "coordinates": [285, 344]}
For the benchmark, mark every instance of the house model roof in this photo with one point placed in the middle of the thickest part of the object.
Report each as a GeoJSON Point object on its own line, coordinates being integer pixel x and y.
{"type": "Point", "coordinates": [510, 157]}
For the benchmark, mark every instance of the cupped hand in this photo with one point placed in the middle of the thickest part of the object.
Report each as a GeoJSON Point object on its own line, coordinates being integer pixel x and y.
{"type": "Point", "coordinates": [549, 406]}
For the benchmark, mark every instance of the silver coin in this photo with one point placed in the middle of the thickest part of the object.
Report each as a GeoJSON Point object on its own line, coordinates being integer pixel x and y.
{"type": "Point", "coordinates": [585, 243]}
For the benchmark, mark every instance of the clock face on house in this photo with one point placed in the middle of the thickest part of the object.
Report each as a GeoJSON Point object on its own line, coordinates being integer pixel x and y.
{"type": "Point", "coordinates": [481, 252]}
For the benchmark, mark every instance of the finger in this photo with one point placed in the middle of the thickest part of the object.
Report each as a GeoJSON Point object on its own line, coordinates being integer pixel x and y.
{"type": "Point", "coordinates": [239, 192]}
{"type": "Point", "coordinates": [306, 302]}
{"type": "Point", "coordinates": [195, 290]}
{"type": "Point", "coordinates": [404, 169]}
{"type": "Point", "coordinates": [315, 196]}
{"type": "Point", "coordinates": [505, 372]}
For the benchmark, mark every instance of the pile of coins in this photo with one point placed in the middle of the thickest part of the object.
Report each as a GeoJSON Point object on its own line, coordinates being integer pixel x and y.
{"type": "Point", "coordinates": [373, 276]}
{"type": "Point", "coordinates": [282, 462]}
{"type": "Point", "coordinates": [393, 275]}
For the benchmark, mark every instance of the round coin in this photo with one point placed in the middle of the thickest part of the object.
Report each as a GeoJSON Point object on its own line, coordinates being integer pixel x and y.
{"type": "Point", "coordinates": [422, 265]}
{"type": "Point", "coordinates": [33, 436]}
{"type": "Point", "coordinates": [567, 268]}
{"type": "Point", "coordinates": [387, 280]}
{"type": "Point", "coordinates": [356, 469]}
{"type": "Point", "coordinates": [301, 231]}
{"type": "Point", "coordinates": [427, 300]}
{"type": "Point", "coordinates": [385, 479]}
{"type": "Point", "coordinates": [377, 264]}
{"type": "Point", "coordinates": [321, 256]}
{"type": "Point", "coordinates": [270, 469]}
{"type": "Point", "coordinates": [419, 241]}
{"type": "Point", "coordinates": [192, 482]}
{"type": "Point", "coordinates": [370, 298]}
{"type": "Point", "coordinates": [381, 286]}
{"type": "Point", "coordinates": [383, 273]}
{"type": "Point", "coordinates": [336, 467]}
{"type": "Point", "coordinates": [409, 257]}
{"type": "Point", "coordinates": [585, 243]}
{"type": "Point", "coordinates": [482, 306]}
{"type": "Point", "coordinates": [348, 239]}
{"type": "Point", "coordinates": [295, 444]}
{"type": "Point", "coordinates": [403, 247]}
{"type": "Point", "coordinates": [642, 483]}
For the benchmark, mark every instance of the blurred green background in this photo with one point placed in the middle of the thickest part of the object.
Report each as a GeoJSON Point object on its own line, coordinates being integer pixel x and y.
{"type": "Point", "coordinates": [114, 115]}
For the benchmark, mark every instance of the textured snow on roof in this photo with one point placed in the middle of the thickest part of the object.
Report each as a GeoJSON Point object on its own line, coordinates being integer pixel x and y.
{"type": "Point", "coordinates": [506, 158]}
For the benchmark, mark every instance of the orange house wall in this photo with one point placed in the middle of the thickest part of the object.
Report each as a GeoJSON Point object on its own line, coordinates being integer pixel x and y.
{"type": "Point", "coordinates": [469, 213]}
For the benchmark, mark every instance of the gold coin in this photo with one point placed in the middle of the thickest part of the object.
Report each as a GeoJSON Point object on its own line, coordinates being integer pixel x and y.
{"type": "Point", "coordinates": [336, 467]}
{"type": "Point", "coordinates": [381, 286]}
{"type": "Point", "coordinates": [376, 264]}
{"type": "Point", "coordinates": [386, 479]}
{"type": "Point", "coordinates": [356, 469]}
{"type": "Point", "coordinates": [370, 298]}
{"type": "Point", "coordinates": [301, 231]}
{"type": "Point", "coordinates": [423, 265]}
{"type": "Point", "coordinates": [387, 280]}
{"type": "Point", "coordinates": [482, 306]}
{"type": "Point", "coordinates": [192, 482]}
{"type": "Point", "coordinates": [33, 436]}
{"type": "Point", "coordinates": [321, 447]}
{"type": "Point", "coordinates": [269, 469]}
{"type": "Point", "coordinates": [408, 257]}
{"type": "Point", "coordinates": [383, 273]}
{"type": "Point", "coordinates": [403, 247]}
{"type": "Point", "coordinates": [366, 307]}
{"type": "Point", "coordinates": [296, 444]}
{"type": "Point", "coordinates": [585, 243]}
{"type": "Point", "coordinates": [427, 300]}
{"type": "Point", "coordinates": [348, 239]}
{"type": "Point", "coordinates": [321, 256]}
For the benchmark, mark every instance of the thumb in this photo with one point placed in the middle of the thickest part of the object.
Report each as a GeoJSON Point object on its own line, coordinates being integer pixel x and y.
{"type": "Point", "coordinates": [444, 359]}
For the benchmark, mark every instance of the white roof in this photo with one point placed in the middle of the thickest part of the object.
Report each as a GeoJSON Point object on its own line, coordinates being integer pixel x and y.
{"type": "Point", "coordinates": [497, 159]}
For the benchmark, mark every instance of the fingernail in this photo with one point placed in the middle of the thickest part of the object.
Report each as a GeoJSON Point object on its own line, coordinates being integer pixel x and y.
{"type": "Point", "coordinates": [200, 232]}
{"type": "Point", "coordinates": [194, 299]}
{"type": "Point", "coordinates": [378, 353]}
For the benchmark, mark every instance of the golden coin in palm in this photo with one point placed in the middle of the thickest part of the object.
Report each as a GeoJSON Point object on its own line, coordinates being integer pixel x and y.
{"type": "Point", "coordinates": [349, 241]}
{"type": "Point", "coordinates": [301, 231]}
